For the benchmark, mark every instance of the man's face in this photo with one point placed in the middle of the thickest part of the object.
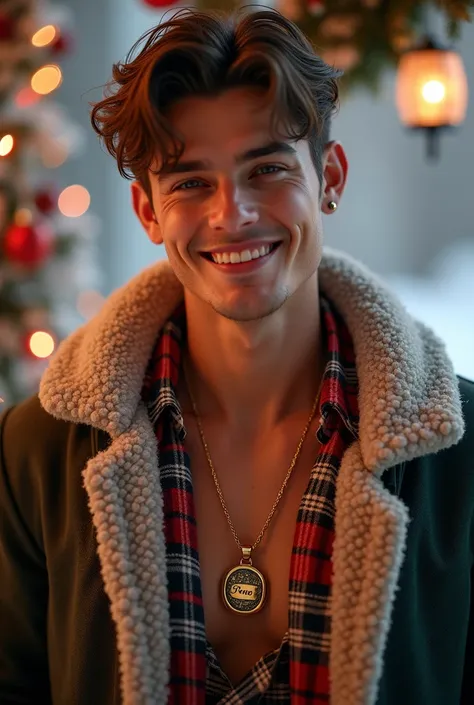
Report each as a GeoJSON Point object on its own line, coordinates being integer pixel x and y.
{"type": "Point", "coordinates": [240, 218]}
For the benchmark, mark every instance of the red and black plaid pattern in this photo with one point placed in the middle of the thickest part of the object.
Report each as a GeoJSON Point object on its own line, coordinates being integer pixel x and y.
{"type": "Point", "coordinates": [297, 672]}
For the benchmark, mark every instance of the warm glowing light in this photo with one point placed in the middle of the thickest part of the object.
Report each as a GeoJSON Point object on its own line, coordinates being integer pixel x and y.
{"type": "Point", "coordinates": [44, 36]}
{"type": "Point", "coordinates": [46, 79]}
{"type": "Point", "coordinates": [55, 154]}
{"type": "Point", "coordinates": [26, 97]}
{"type": "Point", "coordinates": [432, 88]}
{"type": "Point", "coordinates": [6, 145]}
{"type": "Point", "coordinates": [74, 201]}
{"type": "Point", "coordinates": [41, 344]}
{"type": "Point", "coordinates": [23, 216]}
{"type": "Point", "coordinates": [433, 91]}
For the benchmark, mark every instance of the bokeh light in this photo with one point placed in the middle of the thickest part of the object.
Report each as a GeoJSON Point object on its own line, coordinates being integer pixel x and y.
{"type": "Point", "coordinates": [23, 217]}
{"type": "Point", "coordinates": [44, 36]}
{"type": "Point", "coordinates": [6, 145]}
{"type": "Point", "coordinates": [55, 154]}
{"type": "Point", "coordinates": [41, 344]}
{"type": "Point", "coordinates": [46, 79]}
{"type": "Point", "coordinates": [74, 201]}
{"type": "Point", "coordinates": [26, 97]}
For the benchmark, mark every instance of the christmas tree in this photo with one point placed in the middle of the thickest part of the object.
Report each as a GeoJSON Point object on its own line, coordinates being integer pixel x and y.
{"type": "Point", "coordinates": [48, 276]}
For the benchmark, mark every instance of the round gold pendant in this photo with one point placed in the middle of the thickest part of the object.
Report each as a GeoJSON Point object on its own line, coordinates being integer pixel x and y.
{"type": "Point", "coordinates": [244, 589]}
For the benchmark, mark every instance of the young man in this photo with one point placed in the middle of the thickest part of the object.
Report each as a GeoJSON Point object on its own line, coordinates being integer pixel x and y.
{"type": "Point", "coordinates": [249, 478]}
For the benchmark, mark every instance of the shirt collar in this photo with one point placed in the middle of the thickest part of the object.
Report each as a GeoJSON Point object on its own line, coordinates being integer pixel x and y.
{"type": "Point", "coordinates": [338, 405]}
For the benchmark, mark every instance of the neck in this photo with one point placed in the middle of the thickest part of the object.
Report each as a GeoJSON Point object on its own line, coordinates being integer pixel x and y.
{"type": "Point", "coordinates": [254, 375]}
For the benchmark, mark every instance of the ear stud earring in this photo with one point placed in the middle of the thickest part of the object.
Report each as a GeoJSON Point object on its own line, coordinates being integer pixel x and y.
{"type": "Point", "coordinates": [332, 205]}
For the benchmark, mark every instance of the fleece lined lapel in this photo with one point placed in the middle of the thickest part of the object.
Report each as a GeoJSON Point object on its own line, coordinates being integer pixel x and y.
{"type": "Point", "coordinates": [409, 406]}
{"type": "Point", "coordinates": [96, 378]}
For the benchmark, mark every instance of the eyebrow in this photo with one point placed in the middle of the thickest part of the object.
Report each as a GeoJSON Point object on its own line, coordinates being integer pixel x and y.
{"type": "Point", "coordinates": [251, 154]}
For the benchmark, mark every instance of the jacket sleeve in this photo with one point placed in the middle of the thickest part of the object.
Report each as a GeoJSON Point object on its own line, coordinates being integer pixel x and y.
{"type": "Point", "coordinates": [467, 696]}
{"type": "Point", "coordinates": [24, 678]}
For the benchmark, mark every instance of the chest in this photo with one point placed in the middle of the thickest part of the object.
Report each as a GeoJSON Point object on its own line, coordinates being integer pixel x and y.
{"type": "Point", "coordinates": [250, 483]}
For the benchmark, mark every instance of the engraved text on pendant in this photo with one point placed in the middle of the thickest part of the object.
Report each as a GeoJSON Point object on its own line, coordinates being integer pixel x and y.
{"type": "Point", "coordinates": [244, 589]}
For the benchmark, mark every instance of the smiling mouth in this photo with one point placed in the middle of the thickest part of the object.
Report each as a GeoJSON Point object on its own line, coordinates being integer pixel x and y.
{"type": "Point", "coordinates": [242, 257]}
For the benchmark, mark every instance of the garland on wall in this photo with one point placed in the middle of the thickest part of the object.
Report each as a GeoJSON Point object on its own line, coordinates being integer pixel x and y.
{"type": "Point", "coordinates": [362, 37]}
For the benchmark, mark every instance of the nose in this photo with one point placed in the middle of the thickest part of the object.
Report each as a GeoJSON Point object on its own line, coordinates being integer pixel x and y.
{"type": "Point", "coordinates": [231, 209]}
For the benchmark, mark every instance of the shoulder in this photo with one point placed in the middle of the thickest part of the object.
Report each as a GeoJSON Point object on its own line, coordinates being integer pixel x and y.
{"type": "Point", "coordinates": [452, 466]}
{"type": "Point", "coordinates": [440, 486]}
{"type": "Point", "coordinates": [459, 456]}
{"type": "Point", "coordinates": [28, 430]}
{"type": "Point", "coordinates": [28, 414]}
{"type": "Point", "coordinates": [38, 451]}
{"type": "Point", "coordinates": [466, 390]}
{"type": "Point", "coordinates": [27, 427]}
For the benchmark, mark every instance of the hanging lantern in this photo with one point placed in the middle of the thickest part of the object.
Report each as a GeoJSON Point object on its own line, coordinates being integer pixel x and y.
{"type": "Point", "coordinates": [431, 91]}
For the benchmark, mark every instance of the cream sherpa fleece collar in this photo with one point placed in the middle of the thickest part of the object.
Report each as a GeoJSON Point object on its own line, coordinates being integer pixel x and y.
{"type": "Point", "coordinates": [409, 400]}
{"type": "Point", "coordinates": [409, 406]}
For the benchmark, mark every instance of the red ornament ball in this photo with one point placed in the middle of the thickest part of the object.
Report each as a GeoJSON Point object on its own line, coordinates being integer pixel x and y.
{"type": "Point", "coordinates": [28, 245]}
{"type": "Point", "coordinates": [46, 201]}
{"type": "Point", "coordinates": [159, 3]}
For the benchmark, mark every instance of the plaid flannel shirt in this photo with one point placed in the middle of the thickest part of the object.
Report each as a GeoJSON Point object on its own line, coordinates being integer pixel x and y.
{"type": "Point", "coordinates": [298, 671]}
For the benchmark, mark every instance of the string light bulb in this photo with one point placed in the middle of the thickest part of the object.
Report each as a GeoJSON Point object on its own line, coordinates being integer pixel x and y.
{"type": "Point", "coordinates": [44, 36]}
{"type": "Point", "coordinates": [41, 344]}
{"type": "Point", "coordinates": [46, 79]}
{"type": "Point", "coordinates": [6, 145]}
{"type": "Point", "coordinates": [74, 201]}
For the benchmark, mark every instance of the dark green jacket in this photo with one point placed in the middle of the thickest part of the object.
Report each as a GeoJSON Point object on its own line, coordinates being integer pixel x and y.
{"type": "Point", "coordinates": [83, 612]}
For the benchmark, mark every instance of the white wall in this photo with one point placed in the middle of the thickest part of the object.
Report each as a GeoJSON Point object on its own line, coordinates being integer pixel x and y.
{"type": "Point", "coordinates": [131, 249]}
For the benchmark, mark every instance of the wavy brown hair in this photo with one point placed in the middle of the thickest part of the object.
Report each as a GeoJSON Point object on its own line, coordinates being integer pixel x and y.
{"type": "Point", "coordinates": [203, 54]}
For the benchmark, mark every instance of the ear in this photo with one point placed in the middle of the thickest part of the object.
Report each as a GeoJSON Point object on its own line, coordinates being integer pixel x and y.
{"type": "Point", "coordinates": [145, 212]}
{"type": "Point", "coordinates": [335, 167]}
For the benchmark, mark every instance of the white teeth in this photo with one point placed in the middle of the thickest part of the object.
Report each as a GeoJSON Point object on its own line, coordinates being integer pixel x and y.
{"type": "Point", "coordinates": [244, 256]}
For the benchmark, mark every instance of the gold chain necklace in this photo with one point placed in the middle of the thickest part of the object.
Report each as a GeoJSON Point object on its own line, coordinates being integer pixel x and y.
{"type": "Point", "coordinates": [244, 587]}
